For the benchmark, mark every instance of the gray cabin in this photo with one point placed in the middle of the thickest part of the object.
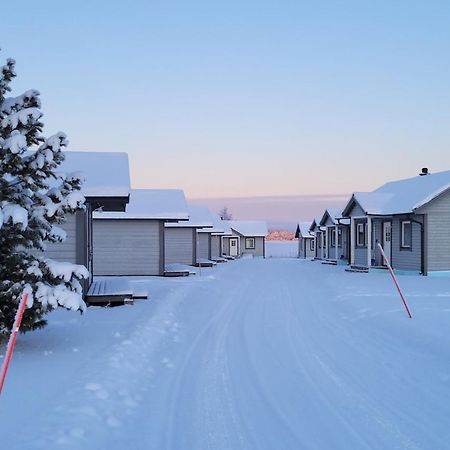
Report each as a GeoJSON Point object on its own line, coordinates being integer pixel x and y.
{"type": "Point", "coordinates": [319, 239]}
{"type": "Point", "coordinates": [210, 240]}
{"type": "Point", "coordinates": [248, 239]}
{"type": "Point", "coordinates": [306, 241]}
{"type": "Point", "coordinates": [181, 245]}
{"type": "Point", "coordinates": [337, 232]}
{"type": "Point", "coordinates": [409, 218]}
{"type": "Point", "coordinates": [132, 242]}
{"type": "Point", "coordinates": [107, 187]}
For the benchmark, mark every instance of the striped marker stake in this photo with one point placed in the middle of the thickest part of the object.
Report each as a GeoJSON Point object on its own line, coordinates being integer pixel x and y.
{"type": "Point", "coordinates": [12, 339]}
{"type": "Point", "coordinates": [388, 264]}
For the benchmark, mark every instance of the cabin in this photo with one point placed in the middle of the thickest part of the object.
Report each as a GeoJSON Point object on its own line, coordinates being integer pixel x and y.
{"type": "Point", "coordinates": [106, 187]}
{"type": "Point", "coordinates": [181, 244]}
{"type": "Point", "coordinates": [336, 230]}
{"type": "Point", "coordinates": [132, 242]}
{"type": "Point", "coordinates": [319, 239]}
{"type": "Point", "coordinates": [306, 241]}
{"type": "Point", "coordinates": [213, 250]}
{"type": "Point", "coordinates": [409, 218]}
{"type": "Point", "coordinates": [248, 238]}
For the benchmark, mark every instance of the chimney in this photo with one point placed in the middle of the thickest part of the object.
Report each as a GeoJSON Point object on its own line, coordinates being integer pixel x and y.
{"type": "Point", "coordinates": [424, 172]}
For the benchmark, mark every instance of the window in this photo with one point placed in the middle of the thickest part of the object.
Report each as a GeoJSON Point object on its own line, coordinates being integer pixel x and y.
{"type": "Point", "coordinates": [311, 244]}
{"type": "Point", "coordinates": [339, 237]}
{"type": "Point", "coordinates": [406, 229]}
{"type": "Point", "coordinates": [249, 243]}
{"type": "Point", "coordinates": [360, 234]}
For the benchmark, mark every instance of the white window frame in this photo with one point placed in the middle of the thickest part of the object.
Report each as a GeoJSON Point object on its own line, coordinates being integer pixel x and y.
{"type": "Point", "coordinates": [252, 246]}
{"type": "Point", "coordinates": [406, 245]}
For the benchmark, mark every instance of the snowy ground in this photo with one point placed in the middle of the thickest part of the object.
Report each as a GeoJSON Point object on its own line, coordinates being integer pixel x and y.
{"type": "Point", "coordinates": [254, 354]}
{"type": "Point", "coordinates": [281, 249]}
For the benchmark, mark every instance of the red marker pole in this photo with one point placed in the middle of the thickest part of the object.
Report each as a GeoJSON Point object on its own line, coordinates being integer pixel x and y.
{"type": "Point", "coordinates": [395, 280]}
{"type": "Point", "coordinates": [12, 339]}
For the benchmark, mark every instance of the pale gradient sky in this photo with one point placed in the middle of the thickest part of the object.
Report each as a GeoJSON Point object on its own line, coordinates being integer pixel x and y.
{"type": "Point", "coordinates": [243, 98]}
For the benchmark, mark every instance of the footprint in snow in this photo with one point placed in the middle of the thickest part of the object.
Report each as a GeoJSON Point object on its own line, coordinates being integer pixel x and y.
{"type": "Point", "coordinates": [167, 363]}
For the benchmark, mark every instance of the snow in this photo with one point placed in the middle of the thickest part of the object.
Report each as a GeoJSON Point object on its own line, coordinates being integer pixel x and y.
{"type": "Point", "coordinates": [16, 142]}
{"type": "Point", "coordinates": [199, 217]}
{"type": "Point", "coordinates": [404, 196]}
{"type": "Point", "coordinates": [219, 228]}
{"type": "Point", "coordinates": [175, 267]}
{"type": "Point", "coordinates": [281, 249]}
{"type": "Point", "coordinates": [162, 204]}
{"type": "Point", "coordinates": [252, 354]}
{"type": "Point", "coordinates": [254, 228]}
{"type": "Point", "coordinates": [14, 213]}
{"type": "Point", "coordinates": [106, 174]}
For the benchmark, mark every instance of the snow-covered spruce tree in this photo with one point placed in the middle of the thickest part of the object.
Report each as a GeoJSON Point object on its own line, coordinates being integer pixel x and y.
{"type": "Point", "coordinates": [34, 200]}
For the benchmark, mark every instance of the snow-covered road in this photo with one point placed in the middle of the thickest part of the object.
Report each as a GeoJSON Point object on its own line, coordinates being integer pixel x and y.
{"type": "Point", "coordinates": [254, 354]}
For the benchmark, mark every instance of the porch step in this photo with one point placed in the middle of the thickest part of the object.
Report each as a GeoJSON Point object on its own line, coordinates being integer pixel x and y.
{"type": "Point", "coordinates": [219, 260]}
{"type": "Point", "coordinates": [205, 263]}
{"type": "Point", "coordinates": [178, 270]}
{"type": "Point", "coordinates": [358, 269]}
{"type": "Point", "coordinates": [330, 262]}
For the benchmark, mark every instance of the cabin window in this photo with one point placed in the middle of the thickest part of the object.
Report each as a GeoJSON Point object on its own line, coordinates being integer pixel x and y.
{"type": "Point", "coordinates": [249, 243]}
{"type": "Point", "coordinates": [311, 245]}
{"type": "Point", "coordinates": [360, 235]}
{"type": "Point", "coordinates": [339, 237]}
{"type": "Point", "coordinates": [406, 231]}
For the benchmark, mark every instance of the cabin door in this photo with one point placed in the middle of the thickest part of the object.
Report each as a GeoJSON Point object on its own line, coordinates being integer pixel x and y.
{"type": "Point", "coordinates": [233, 247]}
{"type": "Point", "coordinates": [387, 235]}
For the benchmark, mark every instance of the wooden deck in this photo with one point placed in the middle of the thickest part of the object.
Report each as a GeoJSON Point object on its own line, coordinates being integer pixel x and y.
{"type": "Point", "coordinates": [205, 263]}
{"type": "Point", "coordinates": [114, 291]}
{"type": "Point", "coordinates": [357, 269]}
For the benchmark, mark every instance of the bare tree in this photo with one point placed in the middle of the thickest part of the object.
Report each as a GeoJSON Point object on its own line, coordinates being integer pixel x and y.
{"type": "Point", "coordinates": [225, 214]}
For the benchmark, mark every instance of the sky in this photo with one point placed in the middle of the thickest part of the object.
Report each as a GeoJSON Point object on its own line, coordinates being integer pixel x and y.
{"type": "Point", "coordinates": [243, 99]}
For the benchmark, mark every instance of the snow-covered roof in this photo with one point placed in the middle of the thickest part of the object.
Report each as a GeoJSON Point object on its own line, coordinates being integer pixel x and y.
{"type": "Point", "coordinates": [106, 174]}
{"type": "Point", "coordinates": [162, 204]}
{"type": "Point", "coordinates": [315, 223]}
{"type": "Point", "coordinates": [199, 217]}
{"type": "Point", "coordinates": [335, 214]}
{"type": "Point", "coordinates": [254, 228]}
{"type": "Point", "coordinates": [403, 196]}
{"type": "Point", "coordinates": [220, 227]}
{"type": "Point", "coordinates": [303, 230]}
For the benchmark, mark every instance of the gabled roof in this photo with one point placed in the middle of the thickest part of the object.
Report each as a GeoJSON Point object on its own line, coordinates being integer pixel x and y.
{"type": "Point", "coordinates": [159, 204]}
{"type": "Point", "coordinates": [315, 223]}
{"type": "Point", "coordinates": [253, 228]}
{"type": "Point", "coordinates": [199, 217]}
{"type": "Point", "coordinates": [220, 227]}
{"type": "Point", "coordinates": [303, 230]}
{"type": "Point", "coordinates": [402, 196]}
{"type": "Point", "coordinates": [335, 214]}
{"type": "Point", "coordinates": [106, 174]}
